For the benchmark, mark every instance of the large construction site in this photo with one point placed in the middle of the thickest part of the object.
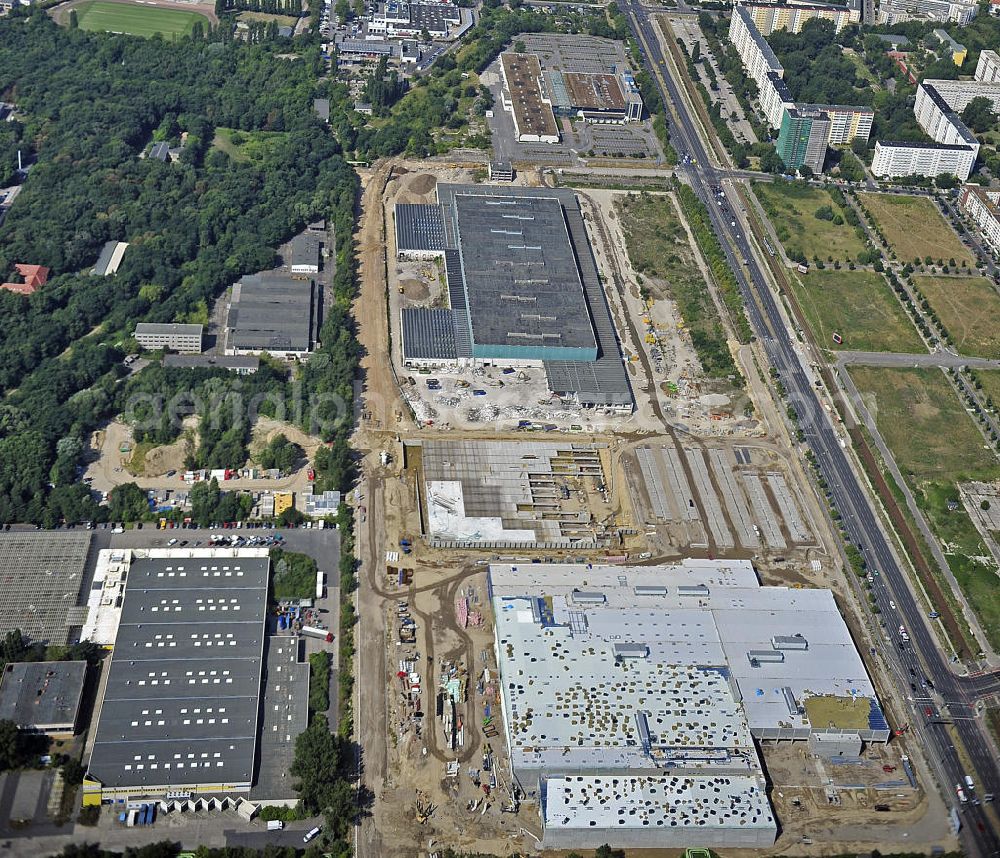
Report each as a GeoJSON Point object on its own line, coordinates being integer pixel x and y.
{"type": "Point", "coordinates": [498, 516]}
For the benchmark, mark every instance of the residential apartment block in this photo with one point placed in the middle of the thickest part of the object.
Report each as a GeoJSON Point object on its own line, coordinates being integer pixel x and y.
{"type": "Point", "coordinates": [792, 16]}
{"type": "Point", "coordinates": [922, 159]}
{"type": "Point", "coordinates": [803, 137]}
{"type": "Point", "coordinates": [988, 68]}
{"type": "Point", "coordinates": [983, 206]}
{"type": "Point", "coordinates": [959, 12]}
{"type": "Point", "coordinates": [841, 123]}
{"type": "Point", "coordinates": [938, 108]}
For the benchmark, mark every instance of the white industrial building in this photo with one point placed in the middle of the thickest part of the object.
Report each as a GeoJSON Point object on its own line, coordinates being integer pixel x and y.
{"type": "Point", "coordinates": [632, 696]}
{"type": "Point", "coordinates": [179, 338]}
{"type": "Point", "coordinates": [401, 19]}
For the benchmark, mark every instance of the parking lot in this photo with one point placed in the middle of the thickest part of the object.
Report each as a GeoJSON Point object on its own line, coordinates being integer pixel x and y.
{"type": "Point", "coordinates": [620, 142]}
{"type": "Point", "coordinates": [580, 140]}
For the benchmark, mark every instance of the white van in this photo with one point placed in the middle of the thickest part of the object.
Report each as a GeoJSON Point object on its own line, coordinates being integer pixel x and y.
{"type": "Point", "coordinates": [275, 825]}
{"type": "Point", "coordinates": [311, 834]}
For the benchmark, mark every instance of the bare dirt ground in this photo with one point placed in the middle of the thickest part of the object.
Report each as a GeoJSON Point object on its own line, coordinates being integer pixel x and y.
{"type": "Point", "coordinates": [266, 429]}
{"type": "Point", "coordinates": [109, 466]}
{"type": "Point", "coordinates": [402, 766]}
{"type": "Point", "coordinates": [680, 388]}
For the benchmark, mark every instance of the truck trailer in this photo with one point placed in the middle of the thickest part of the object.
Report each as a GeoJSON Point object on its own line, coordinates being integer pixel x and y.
{"type": "Point", "coordinates": [314, 632]}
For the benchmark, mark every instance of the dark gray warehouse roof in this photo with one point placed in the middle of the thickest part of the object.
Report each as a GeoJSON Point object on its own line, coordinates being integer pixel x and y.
{"type": "Point", "coordinates": [42, 695]}
{"type": "Point", "coordinates": [304, 250]}
{"type": "Point", "coordinates": [419, 228]}
{"type": "Point", "coordinates": [181, 702]}
{"type": "Point", "coordinates": [601, 382]}
{"type": "Point", "coordinates": [429, 334]}
{"type": "Point", "coordinates": [522, 282]}
{"type": "Point", "coordinates": [272, 311]}
{"type": "Point", "coordinates": [250, 363]}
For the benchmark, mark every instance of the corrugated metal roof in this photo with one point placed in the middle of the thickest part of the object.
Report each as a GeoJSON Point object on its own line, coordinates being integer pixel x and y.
{"type": "Point", "coordinates": [272, 311]}
{"type": "Point", "coordinates": [428, 334]}
{"type": "Point", "coordinates": [419, 227]}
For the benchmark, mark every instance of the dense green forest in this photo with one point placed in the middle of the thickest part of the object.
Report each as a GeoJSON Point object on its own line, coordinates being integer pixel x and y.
{"type": "Point", "coordinates": [816, 69]}
{"type": "Point", "coordinates": [88, 104]}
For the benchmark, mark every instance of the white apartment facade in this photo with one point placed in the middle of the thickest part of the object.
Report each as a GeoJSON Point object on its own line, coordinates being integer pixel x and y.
{"type": "Point", "coordinates": [983, 206]}
{"type": "Point", "coordinates": [774, 97]}
{"type": "Point", "coordinates": [988, 68]}
{"type": "Point", "coordinates": [959, 12]}
{"type": "Point", "coordinates": [769, 17]}
{"type": "Point", "coordinates": [893, 160]}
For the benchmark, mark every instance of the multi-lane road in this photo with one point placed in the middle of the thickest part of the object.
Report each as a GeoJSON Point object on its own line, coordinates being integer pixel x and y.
{"type": "Point", "coordinates": [943, 704]}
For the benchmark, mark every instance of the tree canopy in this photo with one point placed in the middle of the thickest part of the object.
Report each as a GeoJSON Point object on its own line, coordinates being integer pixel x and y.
{"type": "Point", "coordinates": [979, 114]}
{"type": "Point", "coordinates": [87, 105]}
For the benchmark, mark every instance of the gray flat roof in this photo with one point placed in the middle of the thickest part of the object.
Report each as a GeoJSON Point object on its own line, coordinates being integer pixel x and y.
{"type": "Point", "coordinates": [251, 362]}
{"type": "Point", "coordinates": [429, 334]}
{"type": "Point", "coordinates": [596, 382]}
{"type": "Point", "coordinates": [183, 688]}
{"type": "Point", "coordinates": [41, 574]}
{"type": "Point", "coordinates": [160, 151]}
{"type": "Point", "coordinates": [433, 15]}
{"type": "Point", "coordinates": [304, 250]}
{"type": "Point", "coordinates": [168, 328]}
{"type": "Point", "coordinates": [42, 695]}
{"type": "Point", "coordinates": [272, 311]}
{"type": "Point", "coordinates": [285, 716]}
{"type": "Point", "coordinates": [104, 259]}
{"type": "Point", "coordinates": [918, 144]}
{"type": "Point", "coordinates": [522, 282]}
{"type": "Point", "coordinates": [364, 46]}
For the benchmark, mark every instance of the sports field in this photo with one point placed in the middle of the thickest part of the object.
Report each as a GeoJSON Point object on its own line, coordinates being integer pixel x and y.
{"type": "Point", "coordinates": [915, 229]}
{"type": "Point", "coordinates": [860, 307]}
{"type": "Point", "coordinates": [792, 209]}
{"type": "Point", "coordinates": [136, 20]}
{"type": "Point", "coordinates": [969, 308]}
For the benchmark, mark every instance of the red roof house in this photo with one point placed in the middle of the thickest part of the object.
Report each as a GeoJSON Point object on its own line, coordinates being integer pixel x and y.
{"type": "Point", "coordinates": [34, 276]}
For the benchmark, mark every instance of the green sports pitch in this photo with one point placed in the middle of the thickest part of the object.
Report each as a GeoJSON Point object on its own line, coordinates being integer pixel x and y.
{"type": "Point", "coordinates": [136, 20]}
